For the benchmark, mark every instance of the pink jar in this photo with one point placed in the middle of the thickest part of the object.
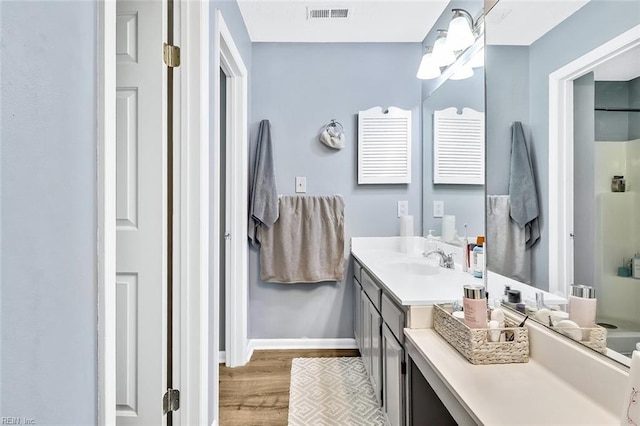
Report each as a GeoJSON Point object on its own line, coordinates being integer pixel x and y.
{"type": "Point", "coordinates": [475, 306]}
{"type": "Point", "coordinates": [582, 307]}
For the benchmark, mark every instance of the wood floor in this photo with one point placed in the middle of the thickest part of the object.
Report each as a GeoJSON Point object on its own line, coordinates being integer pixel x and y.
{"type": "Point", "coordinates": [258, 393]}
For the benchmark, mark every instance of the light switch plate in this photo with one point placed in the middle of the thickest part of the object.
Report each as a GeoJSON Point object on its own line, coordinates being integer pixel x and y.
{"type": "Point", "coordinates": [403, 208]}
{"type": "Point", "coordinates": [438, 208]}
{"type": "Point", "coordinates": [301, 184]}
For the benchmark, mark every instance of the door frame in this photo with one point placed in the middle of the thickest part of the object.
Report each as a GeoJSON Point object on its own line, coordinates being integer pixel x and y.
{"type": "Point", "coordinates": [192, 189]}
{"type": "Point", "coordinates": [227, 56]}
{"type": "Point", "coordinates": [561, 154]}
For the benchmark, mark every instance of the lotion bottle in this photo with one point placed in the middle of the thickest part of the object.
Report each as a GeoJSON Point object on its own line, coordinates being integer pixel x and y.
{"type": "Point", "coordinates": [582, 307]}
{"type": "Point", "coordinates": [475, 306]}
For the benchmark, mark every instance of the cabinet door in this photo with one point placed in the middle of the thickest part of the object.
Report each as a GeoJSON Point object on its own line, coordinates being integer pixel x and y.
{"type": "Point", "coordinates": [357, 315]}
{"type": "Point", "coordinates": [366, 330]}
{"type": "Point", "coordinates": [393, 378]}
{"type": "Point", "coordinates": [376, 352]}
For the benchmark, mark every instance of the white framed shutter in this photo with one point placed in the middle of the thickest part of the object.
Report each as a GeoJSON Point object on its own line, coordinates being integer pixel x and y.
{"type": "Point", "coordinates": [384, 146]}
{"type": "Point", "coordinates": [458, 147]}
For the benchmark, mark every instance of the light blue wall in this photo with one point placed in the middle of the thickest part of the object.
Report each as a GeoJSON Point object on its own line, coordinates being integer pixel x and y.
{"type": "Point", "coordinates": [233, 19]}
{"type": "Point", "coordinates": [507, 91]}
{"type": "Point", "coordinates": [299, 87]}
{"type": "Point", "coordinates": [466, 202]}
{"type": "Point", "coordinates": [48, 216]}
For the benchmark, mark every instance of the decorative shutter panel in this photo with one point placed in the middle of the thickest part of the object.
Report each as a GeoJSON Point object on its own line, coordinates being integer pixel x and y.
{"type": "Point", "coordinates": [458, 146]}
{"type": "Point", "coordinates": [384, 146]}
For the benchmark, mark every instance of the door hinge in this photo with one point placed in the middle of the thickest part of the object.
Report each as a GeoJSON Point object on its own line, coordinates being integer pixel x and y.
{"type": "Point", "coordinates": [171, 55]}
{"type": "Point", "coordinates": [403, 368]}
{"type": "Point", "coordinates": [171, 401]}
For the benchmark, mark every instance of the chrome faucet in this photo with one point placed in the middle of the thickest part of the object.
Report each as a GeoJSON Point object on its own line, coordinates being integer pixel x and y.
{"type": "Point", "coordinates": [446, 260]}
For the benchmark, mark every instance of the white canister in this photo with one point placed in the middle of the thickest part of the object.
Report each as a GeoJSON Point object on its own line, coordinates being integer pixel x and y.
{"type": "Point", "coordinates": [448, 227]}
{"type": "Point", "coordinates": [582, 307]}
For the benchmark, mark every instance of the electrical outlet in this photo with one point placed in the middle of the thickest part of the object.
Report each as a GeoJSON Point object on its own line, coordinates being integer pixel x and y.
{"type": "Point", "coordinates": [438, 208]}
{"type": "Point", "coordinates": [403, 208]}
{"type": "Point", "coordinates": [301, 184]}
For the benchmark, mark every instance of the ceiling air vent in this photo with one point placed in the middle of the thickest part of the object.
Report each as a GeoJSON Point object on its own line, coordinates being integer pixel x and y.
{"type": "Point", "coordinates": [327, 13]}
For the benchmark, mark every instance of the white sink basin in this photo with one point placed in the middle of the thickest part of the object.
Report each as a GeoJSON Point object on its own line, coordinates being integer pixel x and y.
{"type": "Point", "coordinates": [413, 267]}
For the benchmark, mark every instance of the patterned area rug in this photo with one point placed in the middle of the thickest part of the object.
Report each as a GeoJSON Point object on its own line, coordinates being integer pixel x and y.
{"type": "Point", "coordinates": [332, 391]}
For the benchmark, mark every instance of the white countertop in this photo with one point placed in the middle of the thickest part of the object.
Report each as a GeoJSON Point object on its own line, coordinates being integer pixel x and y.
{"type": "Point", "coordinates": [508, 394]}
{"type": "Point", "coordinates": [416, 280]}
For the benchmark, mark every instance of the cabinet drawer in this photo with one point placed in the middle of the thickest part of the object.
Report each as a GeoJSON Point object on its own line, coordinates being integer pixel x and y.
{"type": "Point", "coordinates": [357, 270]}
{"type": "Point", "coordinates": [393, 316]}
{"type": "Point", "coordinates": [372, 289]}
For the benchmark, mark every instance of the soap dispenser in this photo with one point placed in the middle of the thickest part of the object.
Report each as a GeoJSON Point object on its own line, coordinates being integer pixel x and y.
{"type": "Point", "coordinates": [430, 245]}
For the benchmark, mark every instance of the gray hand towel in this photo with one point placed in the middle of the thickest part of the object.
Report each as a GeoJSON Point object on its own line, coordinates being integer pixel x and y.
{"type": "Point", "coordinates": [522, 187]}
{"type": "Point", "coordinates": [506, 251]}
{"type": "Point", "coordinates": [263, 207]}
{"type": "Point", "coordinates": [306, 244]}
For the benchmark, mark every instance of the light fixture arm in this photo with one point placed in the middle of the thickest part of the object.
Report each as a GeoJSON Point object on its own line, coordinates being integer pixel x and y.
{"type": "Point", "coordinates": [466, 15]}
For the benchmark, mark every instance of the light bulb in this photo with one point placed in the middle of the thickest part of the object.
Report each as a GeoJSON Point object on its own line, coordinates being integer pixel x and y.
{"type": "Point", "coordinates": [463, 73]}
{"type": "Point", "coordinates": [428, 68]}
{"type": "Point", "coordinates": [442, 55]}
{"type": "Point", "coordinates": [460, 35]}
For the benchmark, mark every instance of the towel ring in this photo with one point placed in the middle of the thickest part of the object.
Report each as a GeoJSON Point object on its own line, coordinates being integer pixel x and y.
{"type": "Point", "coordinates": [334, 126]}
{"type": "Point", "coordinates": [333, 135]}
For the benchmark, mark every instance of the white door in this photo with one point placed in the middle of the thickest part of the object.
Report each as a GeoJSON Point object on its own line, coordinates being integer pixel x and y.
{"type": "Point", "coordinates": [141, 214]}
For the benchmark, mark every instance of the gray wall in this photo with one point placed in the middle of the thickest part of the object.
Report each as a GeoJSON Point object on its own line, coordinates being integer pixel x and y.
{"type": "Point", "coordinates": [584, 182]}
{"type": "Point", "coordinates": [235, 23]}
{"type": "Point", "coordinates": [634, 102]}
{"type": "Point", "coordinates": [48, 216]}
{"type": "Point", "coordinates": [466, 202]}
{"type": "Point", "coordinates": [612, 126]}
{"type": "Point", "coordinates": [299, 87]}
{"type": "Point", "coordinates": [590, 27]}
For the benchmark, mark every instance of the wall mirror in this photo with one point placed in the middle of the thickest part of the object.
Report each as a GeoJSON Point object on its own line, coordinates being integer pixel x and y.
{"type": "Point", "coordinates": [464, 201]}
{"type": "Point", "coordinates": [569, 72]}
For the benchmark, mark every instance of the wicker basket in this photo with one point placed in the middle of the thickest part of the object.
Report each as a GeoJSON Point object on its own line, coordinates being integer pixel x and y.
{"type": "Point", "coordinates": [474, 344]}
{"type": "Point", "coordinates": [595, 338]}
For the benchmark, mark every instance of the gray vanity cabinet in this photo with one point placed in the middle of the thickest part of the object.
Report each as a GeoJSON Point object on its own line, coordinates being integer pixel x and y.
{"type": "Point", "coordinates": [375, 351]}
{"type": "Point", "coordinates": [378, 329]}
{"type": "Point", "coordinates": [392, 378]}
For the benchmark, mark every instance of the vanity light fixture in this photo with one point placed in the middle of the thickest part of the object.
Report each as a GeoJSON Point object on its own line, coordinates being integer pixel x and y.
{"type": "Point", "coordinates": [442, 54]}
{"type": "Point", "coordinates": [460, 32]}
{"type": "Point", "coordinates": [462, 73]}
{"type": "Point", "coordinates": [428, 68]}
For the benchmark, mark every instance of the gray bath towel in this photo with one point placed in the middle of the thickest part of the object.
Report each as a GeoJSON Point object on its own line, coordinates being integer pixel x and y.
{"type": "Point", "coordinates": [263, 204]}
{"type": "Point", "coordinates": [506, 251]}
{"type": "Point", "coordinates": [306, 244]}
{"type": "Point", "coordinates": [522, 187]}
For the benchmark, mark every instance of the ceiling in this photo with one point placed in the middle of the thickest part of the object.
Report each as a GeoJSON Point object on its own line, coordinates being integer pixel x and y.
{"type": "Point", "coordinates": [367, 21]}
{"type": "Point", "coordinates": [512, 22]}
{"type": "Point", "coordinates": [623, 67]}
{"type": "Point", "coordinates": [522, 22]}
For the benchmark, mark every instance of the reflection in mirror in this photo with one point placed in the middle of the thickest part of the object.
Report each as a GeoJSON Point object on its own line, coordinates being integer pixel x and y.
{"type": "Point", "coordinates": [571, 78]}
{"type": "Point", "coordinates": [464, 201]}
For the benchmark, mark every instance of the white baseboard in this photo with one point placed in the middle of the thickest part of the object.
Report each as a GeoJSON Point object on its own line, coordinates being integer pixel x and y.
{"type": "Point", "coordinates": [222, 357]}
{"type": "Point", "coordinates": [257, 344]}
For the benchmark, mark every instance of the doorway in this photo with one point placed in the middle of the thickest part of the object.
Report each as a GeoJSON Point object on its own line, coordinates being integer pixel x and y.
{"type": "Point", "coordinates": [561, 155]}
{"type": "Point", "coordinates": [223, 224]}
{"type": "Point", "coordinates": [233, 159]}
